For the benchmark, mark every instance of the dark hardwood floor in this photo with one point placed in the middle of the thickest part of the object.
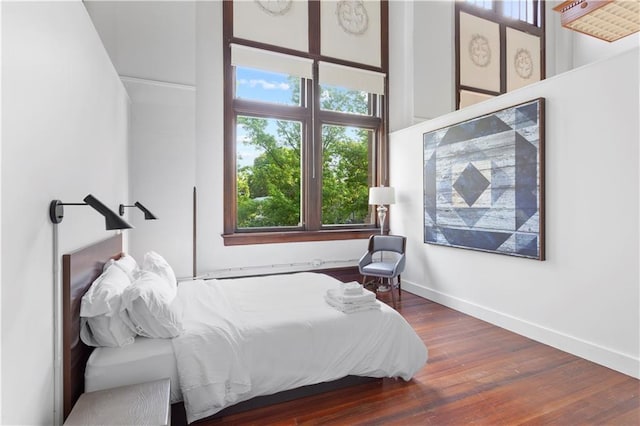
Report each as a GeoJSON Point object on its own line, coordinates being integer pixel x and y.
{"type": "Point", "coordinates": [478, 374]}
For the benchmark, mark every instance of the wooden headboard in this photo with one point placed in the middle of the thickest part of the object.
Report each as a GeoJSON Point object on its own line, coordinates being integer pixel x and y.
{"type": "Point", "coordinates": [79, 270]}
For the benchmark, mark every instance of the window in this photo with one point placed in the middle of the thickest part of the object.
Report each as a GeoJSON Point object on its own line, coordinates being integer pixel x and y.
{"type": "Point", "coordinates": [499, 47]}
{"type": "Point", "coordinates": [268, 173]}
{"type": "Point", "coordinates": [346, 153]}
{"type": "Point", "coordinates": [304, 140]}
{"type": "Point", "coordinates": [528, 11]}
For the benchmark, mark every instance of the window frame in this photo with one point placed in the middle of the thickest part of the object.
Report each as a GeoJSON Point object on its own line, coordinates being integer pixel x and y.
{"type": "Point", "coordinates": [312, 118]}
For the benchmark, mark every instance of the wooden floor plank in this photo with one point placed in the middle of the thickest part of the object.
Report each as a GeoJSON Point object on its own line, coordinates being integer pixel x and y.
{"type": "Point", "coordinates": [477, 374]}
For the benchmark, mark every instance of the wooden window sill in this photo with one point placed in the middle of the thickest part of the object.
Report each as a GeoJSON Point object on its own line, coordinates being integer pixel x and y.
{"type": "Point", "coordinates": [246, 238]}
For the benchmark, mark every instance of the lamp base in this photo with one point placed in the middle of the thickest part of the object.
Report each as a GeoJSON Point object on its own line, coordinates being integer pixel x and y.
{"type": "Point", "coordinates": [382, 215]}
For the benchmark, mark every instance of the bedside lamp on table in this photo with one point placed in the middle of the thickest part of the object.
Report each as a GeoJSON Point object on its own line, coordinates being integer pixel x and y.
{"type": "Point", "coordinates": [382, 196]}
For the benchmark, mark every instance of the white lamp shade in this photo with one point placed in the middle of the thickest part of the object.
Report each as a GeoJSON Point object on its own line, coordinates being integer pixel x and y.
{"type": "Point", "coordinates": [380, 195]}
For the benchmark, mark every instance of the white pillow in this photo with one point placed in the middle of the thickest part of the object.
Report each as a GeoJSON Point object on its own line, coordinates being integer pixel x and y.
{"type": "Point", "coordinates": [104, 330]}
{"type": "Point", "coordinates": [101, 322]}
{"type": "Point", "coordinates": [149, 306]}
{"type": "Point", "coordinates": [127, 263]}
{"type": "Point", "coordinates": [103, 297]}
{"type": "Point", "coordinates": [155, 263]}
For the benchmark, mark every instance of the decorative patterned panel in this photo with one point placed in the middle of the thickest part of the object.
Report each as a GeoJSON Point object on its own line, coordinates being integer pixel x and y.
{"type": "Point", "coordinates": [479, 53]}
{"type": "Point", "coordinates": [350, 30]}
{"type": "Point", "coordinates": [281, 23]}
{"type": "Point", "coordinates": [483, 183]}
{"type": "Point", "coordinates": [523, 59]}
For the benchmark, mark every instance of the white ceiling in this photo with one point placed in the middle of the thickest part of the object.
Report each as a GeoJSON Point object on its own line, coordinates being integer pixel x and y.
{"type": "Point", "coordinates": [152, 40]}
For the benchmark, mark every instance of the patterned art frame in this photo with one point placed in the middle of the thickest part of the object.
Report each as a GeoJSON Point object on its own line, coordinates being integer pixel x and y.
{"type": "Point", "coordinates": [484, 182]}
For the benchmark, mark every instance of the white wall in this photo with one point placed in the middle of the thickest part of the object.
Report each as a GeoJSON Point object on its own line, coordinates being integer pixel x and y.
{"type": "Point", "coordinates": [162, 148]}
{"type": "Point", "coordinates": [559, 42]}
{"type": "Point", "coordinates": [64, 135]}
{"type": "Point", "coordinates": [421, 61]}
{"type": "Point", "coordinates": [584, 298]}
{"type": "Point", "coordinates": [401, 60]}
{"type": "Point", "coordinates": [588, 49]}
{"type": "Point", "coordinates": [152, 45]}
{"type": "Point", "coordinates": [434, 73]}
{"type": "Point", "coordinates": [152, 40]}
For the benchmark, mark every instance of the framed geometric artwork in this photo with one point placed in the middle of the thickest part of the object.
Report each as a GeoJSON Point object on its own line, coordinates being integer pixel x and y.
{"type": "Point", "coordinates": [484, 183]}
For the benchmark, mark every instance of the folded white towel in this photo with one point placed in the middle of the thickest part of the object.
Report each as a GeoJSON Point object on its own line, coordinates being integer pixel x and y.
{"type": "Point", "coordinates": [365, 296]}
{"type": "Point", "coordinates": [351, 308]}
{"type": "Point", "coordinates": [352, 288]}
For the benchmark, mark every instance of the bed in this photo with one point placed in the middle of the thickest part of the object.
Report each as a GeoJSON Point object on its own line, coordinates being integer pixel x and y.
{"type": "Point", "coordinates": [246, 341]}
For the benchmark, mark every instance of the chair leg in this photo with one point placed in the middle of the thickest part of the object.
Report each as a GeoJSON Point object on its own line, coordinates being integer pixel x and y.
{"type": "Point", "coordinates": [366, 284]}
{"type": "Point", "coordinates": [399, 288]}
{"type": "Point", "coordinates": [393, 295]}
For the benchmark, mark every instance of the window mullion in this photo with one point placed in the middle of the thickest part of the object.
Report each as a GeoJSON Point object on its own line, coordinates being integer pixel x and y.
{"type": "Point", "coordinates": [342, 119]}
{"type": "Point", "coordinates": [314, 172]}
{"type": "Point", "coordinates": [258, 109]}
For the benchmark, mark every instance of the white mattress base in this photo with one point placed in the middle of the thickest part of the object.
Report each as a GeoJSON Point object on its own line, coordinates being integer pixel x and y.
{"type": "Point", "coordinates": [145, 360]}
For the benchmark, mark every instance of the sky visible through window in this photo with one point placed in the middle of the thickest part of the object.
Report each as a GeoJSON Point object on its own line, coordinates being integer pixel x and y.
{"type": "Point", "coordinates": [265, 87]}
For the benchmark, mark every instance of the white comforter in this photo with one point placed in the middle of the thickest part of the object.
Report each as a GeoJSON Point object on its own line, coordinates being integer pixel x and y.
{"type": "Point", "coordinates": [257, 336]}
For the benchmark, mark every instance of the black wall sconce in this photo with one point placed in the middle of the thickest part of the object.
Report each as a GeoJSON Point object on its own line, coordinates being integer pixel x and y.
{"type": "Point", "coordinates": [112, 220]}
{"type": "Point", "coordinates": [147, 214]}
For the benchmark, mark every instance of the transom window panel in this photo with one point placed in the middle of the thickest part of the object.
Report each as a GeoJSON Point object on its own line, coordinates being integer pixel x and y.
{"type": "Point", "coordinates": [346, 154]}
{"type": "Point", "coordinates": [526, 10]}
{"type": "Point", "coordinates": [268, 173]}
{"type": "Point", "coordinates": [483, 4]}
{"type": "Point", "coordinates": [267, 86]}
{"type": "Point", "coordinates": [522, 10]}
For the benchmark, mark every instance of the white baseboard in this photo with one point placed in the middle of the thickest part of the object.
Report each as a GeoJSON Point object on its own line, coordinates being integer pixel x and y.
{"type": "Point", "coordinates": [618, 361]}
